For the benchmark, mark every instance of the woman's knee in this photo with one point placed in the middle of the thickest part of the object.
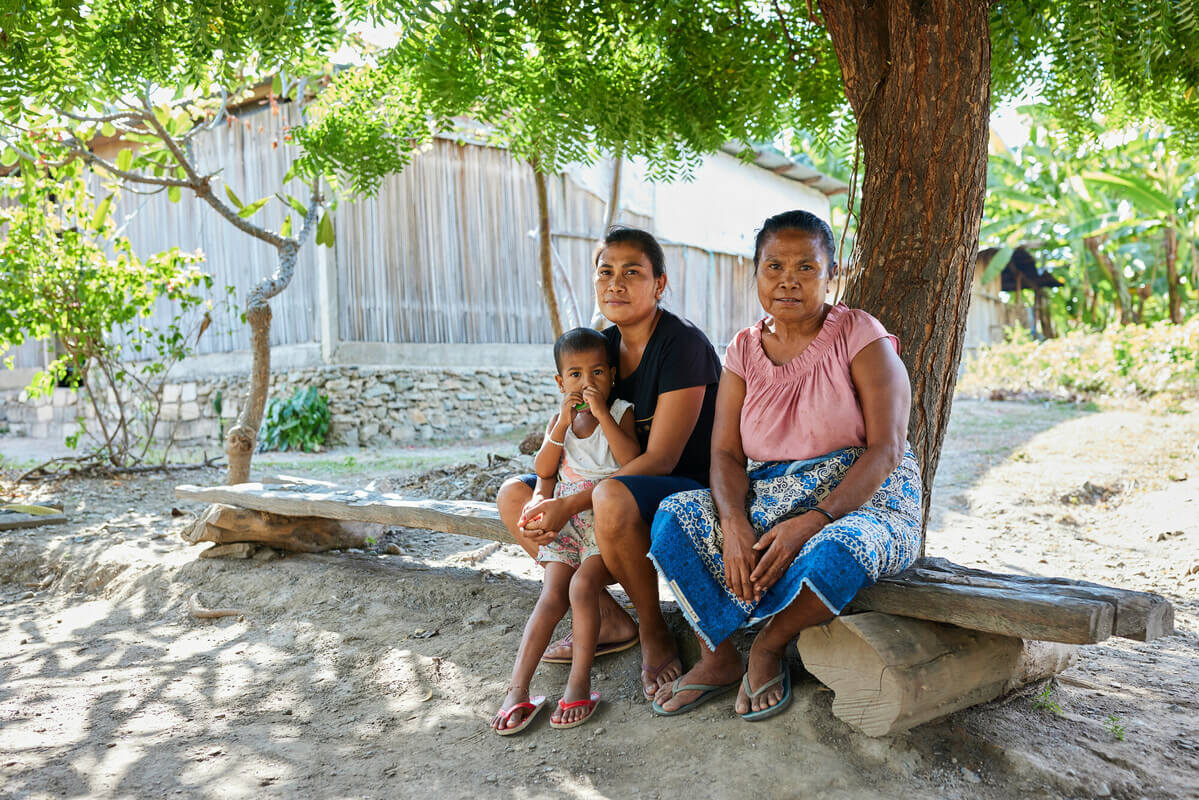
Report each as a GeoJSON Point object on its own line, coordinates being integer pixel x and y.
{"type": "Point", "coordinates": [617, 517]}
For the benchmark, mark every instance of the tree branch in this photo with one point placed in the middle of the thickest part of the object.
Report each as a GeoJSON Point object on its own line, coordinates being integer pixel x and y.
{"type": "Point", "coordinates": [94, 160]}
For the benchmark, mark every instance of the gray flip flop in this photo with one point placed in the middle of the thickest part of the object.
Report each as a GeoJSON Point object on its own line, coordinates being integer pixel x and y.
{"type": "Point", "coordinates": [783, 677]}
{"type": "Point", "coordinates": [709, 691]}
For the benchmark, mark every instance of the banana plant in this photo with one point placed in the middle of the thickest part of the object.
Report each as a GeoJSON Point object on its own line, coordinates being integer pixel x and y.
{"type": "Point", "coordinates": [1161, 192]}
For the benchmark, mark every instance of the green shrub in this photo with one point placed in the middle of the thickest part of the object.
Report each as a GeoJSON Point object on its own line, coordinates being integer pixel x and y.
{"type": "Point", "coordinates": [1159, 360]}
{"type": "Point", "coordinates": [299, 423]}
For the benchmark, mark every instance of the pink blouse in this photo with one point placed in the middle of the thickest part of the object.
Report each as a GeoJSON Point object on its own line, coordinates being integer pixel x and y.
{"type": "Point", "coordinates": [807, 407]}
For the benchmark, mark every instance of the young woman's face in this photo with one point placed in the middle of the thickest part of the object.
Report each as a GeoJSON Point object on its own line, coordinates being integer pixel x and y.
{"type": "Point", "coordinates": [586, 368]}
{"type": "Point", "coordinates": [793, 276]}
{"type": "Point", "coordinates": [625, 286]}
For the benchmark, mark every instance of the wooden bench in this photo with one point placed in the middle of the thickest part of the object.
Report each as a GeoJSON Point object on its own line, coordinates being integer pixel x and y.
{"type": "Point", "coordinates": [914, 647]}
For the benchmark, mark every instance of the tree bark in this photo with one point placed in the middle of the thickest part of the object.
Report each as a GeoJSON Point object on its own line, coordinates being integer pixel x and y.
{"type": "Point", "coordinates": [598, 321]}
{"type": "Point", "coordinates": [242, 438]}
{"type": "Point", "coordinates": [1172, 283]}
{"type": "Point", "coordinates": [544, 252]}
{"type": "Point", "coordinates": [918, 78]}
{"type": "Point", "coordinates": [1041, 303]}
{"type": "Point", "coordinates": [1113, 273]}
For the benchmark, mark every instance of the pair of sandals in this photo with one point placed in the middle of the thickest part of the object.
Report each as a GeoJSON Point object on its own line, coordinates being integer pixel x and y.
{"type": "Point", "coordinates": [712, 691]}
{"type": "Point", "coordinates": [537, 702]}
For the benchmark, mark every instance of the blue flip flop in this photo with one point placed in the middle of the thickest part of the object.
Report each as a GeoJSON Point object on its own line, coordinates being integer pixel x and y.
{"type": "Point", "coordinates": [783, 677]}
{"type": "Point", "coordinates": [709, 691]}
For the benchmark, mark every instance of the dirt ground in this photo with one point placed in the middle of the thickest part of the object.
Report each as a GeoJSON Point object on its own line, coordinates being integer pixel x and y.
{"type": "Point", "coordinates": [373, 673]}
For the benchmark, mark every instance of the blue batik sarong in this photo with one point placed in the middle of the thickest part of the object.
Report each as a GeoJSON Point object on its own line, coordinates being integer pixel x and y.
{"type": "Point", "coordinates": [881, 538]}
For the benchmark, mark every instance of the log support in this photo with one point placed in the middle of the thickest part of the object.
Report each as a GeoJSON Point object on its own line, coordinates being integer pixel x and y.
{"type": "Point", "coordinates": [892, 673]}
{"type": "Point", "coordinates": [225, 524]}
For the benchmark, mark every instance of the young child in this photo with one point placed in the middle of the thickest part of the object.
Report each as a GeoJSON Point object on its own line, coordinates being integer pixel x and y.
{"type": "Point", "coordinates": [586, 441]}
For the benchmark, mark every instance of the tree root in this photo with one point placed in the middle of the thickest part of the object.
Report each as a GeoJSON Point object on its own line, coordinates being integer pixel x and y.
{"type": "Point", "coordinates": [200, 612]}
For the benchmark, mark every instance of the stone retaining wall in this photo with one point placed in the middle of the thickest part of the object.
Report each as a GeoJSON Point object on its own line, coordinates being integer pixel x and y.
{"type": "Point", "coordinates": [369, 406]}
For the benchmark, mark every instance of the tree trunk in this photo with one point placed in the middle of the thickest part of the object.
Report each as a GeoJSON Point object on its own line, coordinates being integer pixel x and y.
{"type": "Point", "coordinates": [544, 252]}
{"type": "Point", "coordinates": [1123, 298]}
{"type": "Point", "coordinates": [918, 78]}
{"type": "Point", "coordinates": [1041, 303]}
{"type": "Point", "coordinates": [243, 437]}
{"type": "Point", "coordinates": [1172, 284]}
{"type": "Point", "coordinates": [598, 320]}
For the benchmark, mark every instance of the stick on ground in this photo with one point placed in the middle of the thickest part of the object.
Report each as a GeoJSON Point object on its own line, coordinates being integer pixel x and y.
{"type": "Point", "coordinates": [200, 612]}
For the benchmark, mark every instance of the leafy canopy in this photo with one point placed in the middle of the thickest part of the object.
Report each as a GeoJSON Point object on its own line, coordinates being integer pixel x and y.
{"type": "Point", "coordinates": [559, 80]}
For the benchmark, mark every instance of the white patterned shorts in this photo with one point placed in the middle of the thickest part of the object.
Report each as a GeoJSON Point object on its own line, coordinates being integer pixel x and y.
{"type": "Point", "coordinates": [576, 541]}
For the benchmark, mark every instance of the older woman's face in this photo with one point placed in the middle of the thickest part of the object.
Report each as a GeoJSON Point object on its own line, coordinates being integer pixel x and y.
{"type": "Point", "coordinates": [793, 276]}
{"type": "Point", "coordinates": [625, 286]}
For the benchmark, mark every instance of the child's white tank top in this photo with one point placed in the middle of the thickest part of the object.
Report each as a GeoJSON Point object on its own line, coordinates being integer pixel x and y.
{"type": "Point", "coordinates": [590, 459]}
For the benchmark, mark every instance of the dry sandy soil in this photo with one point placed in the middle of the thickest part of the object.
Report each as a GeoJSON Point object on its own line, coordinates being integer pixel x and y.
{"type": "Point", "coordinates": [373, 674]}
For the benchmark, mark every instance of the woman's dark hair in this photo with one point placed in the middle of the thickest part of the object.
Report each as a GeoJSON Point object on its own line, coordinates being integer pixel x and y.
{"type": "Point", "coordinates": [580, 340]}
{"type": "Point", "coordinates": [643, 240]}
{"type": "Point", "coordinates": [804, 221]}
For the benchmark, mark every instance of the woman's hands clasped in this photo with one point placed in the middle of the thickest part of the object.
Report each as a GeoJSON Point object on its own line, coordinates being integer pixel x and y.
{"type": "Point", "coordinates": [779, 547]}
{"type": "Point", "coordinates": [740, 558]}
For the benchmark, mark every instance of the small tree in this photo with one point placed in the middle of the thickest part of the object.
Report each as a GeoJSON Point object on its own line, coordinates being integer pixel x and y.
{"type": "Point", "coordinates": [65, 277]}
{"type": "Point", "coordinates": [157, 136]}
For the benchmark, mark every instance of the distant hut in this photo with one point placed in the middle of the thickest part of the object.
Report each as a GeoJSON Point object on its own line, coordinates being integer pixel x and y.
{"type": "Point", "coordinates": [991, 312]}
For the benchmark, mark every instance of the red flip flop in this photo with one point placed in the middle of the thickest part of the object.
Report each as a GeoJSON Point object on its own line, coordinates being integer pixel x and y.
{"type": "Point", "coordinates": [565, 706]}
{"type": "Point", "coordinates": [535, 704]}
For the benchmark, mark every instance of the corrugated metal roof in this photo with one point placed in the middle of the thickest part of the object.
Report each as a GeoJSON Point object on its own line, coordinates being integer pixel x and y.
{"type": "Point", "coordinates": [769, 158]}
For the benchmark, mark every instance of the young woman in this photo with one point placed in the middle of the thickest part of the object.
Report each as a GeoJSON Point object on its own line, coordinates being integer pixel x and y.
{"type": "Point", "coordinates": [669, 371]}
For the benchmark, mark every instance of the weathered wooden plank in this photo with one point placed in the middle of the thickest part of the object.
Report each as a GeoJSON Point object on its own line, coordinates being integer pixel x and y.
{"type": "Point", "coordinates": [1142, 616]}
{"type": "Point", "coordinates": [1031, 607]}
{"type": "Point", "coordinates": [465, 517]}
{"type": "Point", "coordinates": [892, 673]}
{"type": "Point", "coordinates": [1024, 613]}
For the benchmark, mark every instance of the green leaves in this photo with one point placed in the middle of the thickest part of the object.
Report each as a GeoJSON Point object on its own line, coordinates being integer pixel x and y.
{"type": "Point", "coordinates": [324, 231]}
{"type": "Point", "coordinates": [1138, 191]}
{"type": "Point", "coordinates": [300, 422]}
{"type": "Point", "coordinates": [125, 159]}
{"type": "Point", "coordinates": [101, 214]}
{"type": "Point", "coordinates": [233, 198]}
{"type": "Point", "coordinates": [247, 211]}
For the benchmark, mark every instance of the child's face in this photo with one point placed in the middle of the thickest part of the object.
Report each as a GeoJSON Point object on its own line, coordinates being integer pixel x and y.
{"type": "Point", "coordinates": [586, 368]}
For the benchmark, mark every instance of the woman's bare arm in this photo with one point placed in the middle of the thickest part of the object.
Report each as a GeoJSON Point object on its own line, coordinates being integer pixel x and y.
{"type": "Point", "coordinates": [730, 486]}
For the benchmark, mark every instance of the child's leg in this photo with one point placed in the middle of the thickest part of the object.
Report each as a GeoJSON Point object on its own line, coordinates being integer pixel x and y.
{"type": "Point", "coordinates": [590, 579]}
{"type": "Point", "coordinates": [551, 607]}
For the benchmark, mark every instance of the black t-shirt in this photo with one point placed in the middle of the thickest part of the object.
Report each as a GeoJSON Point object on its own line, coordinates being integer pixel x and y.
{"type": "Point", "coordinates": [677, 356]}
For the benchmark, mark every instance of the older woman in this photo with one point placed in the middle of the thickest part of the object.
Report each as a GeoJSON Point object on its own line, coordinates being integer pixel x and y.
{"type": "Point", "coordinates": [669, 371]}
{"type": "Point", "coordinates": [814, 492]}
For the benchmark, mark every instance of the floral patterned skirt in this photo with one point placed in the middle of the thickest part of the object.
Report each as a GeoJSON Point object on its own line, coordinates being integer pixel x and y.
{"type": "Point", "coordinates": [576, 541]}
{"type": "Point", "coordinates": [881, 538]}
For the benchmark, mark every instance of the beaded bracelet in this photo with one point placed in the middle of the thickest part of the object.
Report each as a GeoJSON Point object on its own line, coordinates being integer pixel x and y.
{"type": "Point", "coordinates": [822, 511]}
{"type": "Point", "coordinates": [562, 443]}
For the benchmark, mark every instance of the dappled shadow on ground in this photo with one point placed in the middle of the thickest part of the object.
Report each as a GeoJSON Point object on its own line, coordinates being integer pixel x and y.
{"type": "Point", "coordinates": [355, 675]}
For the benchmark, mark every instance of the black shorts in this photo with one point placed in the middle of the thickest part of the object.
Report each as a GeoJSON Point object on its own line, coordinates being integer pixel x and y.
{"type": "Point", "coordinates": [647, 490]}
